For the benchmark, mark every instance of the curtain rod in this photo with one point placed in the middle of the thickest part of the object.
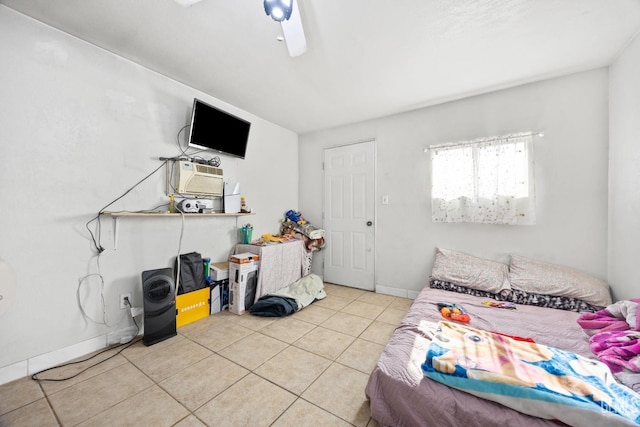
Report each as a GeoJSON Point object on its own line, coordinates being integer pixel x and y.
{"type": "Point", "coordinates": [482, 140]}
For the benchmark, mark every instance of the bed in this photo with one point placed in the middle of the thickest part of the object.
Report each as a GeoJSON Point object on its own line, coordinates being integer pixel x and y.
{"type": "Point", "coordinates": [401, 395]}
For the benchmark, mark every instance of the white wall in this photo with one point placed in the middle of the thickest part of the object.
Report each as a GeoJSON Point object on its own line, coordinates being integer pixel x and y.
{"type": "Point", "coordinates": [78, 127]}
{"type": "Point", "coordinates": [624, 173]}
{"type": "Point", "coordinates": [571, 178]}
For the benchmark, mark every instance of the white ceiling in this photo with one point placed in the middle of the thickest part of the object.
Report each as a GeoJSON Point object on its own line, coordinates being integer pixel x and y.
{"type": "Point", "coordinates": [365, 58]}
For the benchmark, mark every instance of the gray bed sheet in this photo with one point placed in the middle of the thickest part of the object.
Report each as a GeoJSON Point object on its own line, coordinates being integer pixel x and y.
{"type": "Point", "coordinates": [400, 395]}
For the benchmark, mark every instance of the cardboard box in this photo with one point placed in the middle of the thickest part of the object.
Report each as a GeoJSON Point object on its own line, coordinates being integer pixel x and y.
{"type": "Point", "coordinates": [237, 297]}
{"type": "Point", "coordinates": [244, 258]}
{"type": "Point", "coordinates": [232, 197]}
{"type": "Point", "coordinates": [223, 288]}
{"type": "Point", "coordinates": [193, 306]}
{"type": "Point", "coordinates": [242, 292]}
{"type": "Point", "coordinates": [243, 278]}
{"type": "Point", "coordinates": [216, 298]}
{"type": "Point", "coordinates": [239, 272]}
{"type": "Point", "coordinates": [219, 271]}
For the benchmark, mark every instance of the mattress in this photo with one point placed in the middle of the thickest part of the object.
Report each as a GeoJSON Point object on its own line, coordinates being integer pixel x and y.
{"type": "Point", "coordinates": [400, 395]}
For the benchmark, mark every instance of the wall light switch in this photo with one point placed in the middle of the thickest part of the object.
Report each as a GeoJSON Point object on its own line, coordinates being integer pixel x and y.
{"type": "Point", "coordinates": [385, 199]}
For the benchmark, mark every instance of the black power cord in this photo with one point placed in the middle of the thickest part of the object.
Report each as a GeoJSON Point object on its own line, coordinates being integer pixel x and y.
{"type": "Point", "coordinates": [214, 161]}
{"type": "Point", "coordinates": [183, 151]}
{"type": "Point", "coordinates": [124, 346]}
{"type": "Point", "coordinates": [96, 243]}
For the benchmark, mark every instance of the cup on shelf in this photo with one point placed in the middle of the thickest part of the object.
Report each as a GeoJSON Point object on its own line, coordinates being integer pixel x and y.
{"type": "Point", "coordinates": [245, 234]}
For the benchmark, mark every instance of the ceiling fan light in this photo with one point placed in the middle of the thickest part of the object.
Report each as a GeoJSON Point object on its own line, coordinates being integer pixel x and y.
{"type": "Point", "coordinates": [277, 14]}
{"type": "Point", "coordinates": [186, 3]}
{"type": "Point", "coordinates": [279, 10]}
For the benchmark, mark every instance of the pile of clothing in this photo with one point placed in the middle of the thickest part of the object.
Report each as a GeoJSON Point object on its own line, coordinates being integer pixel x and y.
{"type": "Point", "coordinates": [294, 223]}
{"type": "Point", "coordinates": [290, 299]}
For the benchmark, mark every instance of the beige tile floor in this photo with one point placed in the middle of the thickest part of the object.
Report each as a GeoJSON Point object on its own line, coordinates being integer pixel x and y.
{"type": "Point", "coordinates": [307, 369]}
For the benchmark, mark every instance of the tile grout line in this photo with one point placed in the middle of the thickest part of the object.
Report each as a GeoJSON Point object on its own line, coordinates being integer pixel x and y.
{"type": "Point", "coordinates": [252, 332]}
{"type": "Point", "coordinates": [46, 397]}
{"type": "Point", "coordinates": [288, 345]}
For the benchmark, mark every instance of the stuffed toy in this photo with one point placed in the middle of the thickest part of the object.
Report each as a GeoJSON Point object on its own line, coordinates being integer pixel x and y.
{"type": "Point", "coordinates": [294, 216]}
{"type": "Point", "coordinates": [453, 312]}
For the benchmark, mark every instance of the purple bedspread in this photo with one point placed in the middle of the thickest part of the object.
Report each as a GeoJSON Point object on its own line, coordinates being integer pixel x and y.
{"type": "Point", "coordinates": [615, 334]}
{"type": "Point", "coordinates": [400, 395]}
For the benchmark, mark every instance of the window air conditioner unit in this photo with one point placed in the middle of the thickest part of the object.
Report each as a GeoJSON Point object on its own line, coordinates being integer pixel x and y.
{"type": "Point", "coordinates": [198, 179]}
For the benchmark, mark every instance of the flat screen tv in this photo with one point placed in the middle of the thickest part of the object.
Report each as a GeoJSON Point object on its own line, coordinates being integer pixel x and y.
{"type": "Point", "coordinates": [219, 131]}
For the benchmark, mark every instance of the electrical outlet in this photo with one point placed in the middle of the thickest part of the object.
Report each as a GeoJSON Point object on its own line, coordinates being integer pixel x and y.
{"type": "Point", "coordinates": [123, 304]}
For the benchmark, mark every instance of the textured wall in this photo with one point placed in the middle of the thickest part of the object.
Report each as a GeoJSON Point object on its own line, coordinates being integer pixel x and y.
{"type": "Point", "coordinates": [624, 174]}
{"type": "Point", "coordinates": [570, 168]}
{"type": "Point", "coordinates": [78, 127]}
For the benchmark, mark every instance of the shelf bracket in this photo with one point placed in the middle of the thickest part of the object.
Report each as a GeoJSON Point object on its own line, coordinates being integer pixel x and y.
{"type": "Point", "coordinates": [114, 222]}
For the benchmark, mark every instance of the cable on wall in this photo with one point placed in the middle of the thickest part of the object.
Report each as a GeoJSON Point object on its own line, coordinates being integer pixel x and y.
{"type": "Point", "coordinates": [214, 161]}
{"type": "Point", "coordinates": [99, 249]}
{"type": "Point", "coordinates": [179, 250]}
{"type": "Point", "coordinates": [182, 150]}
{"type": "Point", "coordinates": [96, 243]}
{"type": "Point", "coordinates": [105, 315]}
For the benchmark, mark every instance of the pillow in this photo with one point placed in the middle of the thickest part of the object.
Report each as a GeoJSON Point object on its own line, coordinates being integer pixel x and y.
{"type": "Point", "coordinates": [520, 297]}
{"type": "Point", "coordinates": [541, 277]}
{"type": "Point", "coordinates": [466, 270]}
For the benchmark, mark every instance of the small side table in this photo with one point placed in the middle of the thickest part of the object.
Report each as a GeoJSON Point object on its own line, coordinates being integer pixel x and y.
{"type": "Point", "coordinates": [281, 264]}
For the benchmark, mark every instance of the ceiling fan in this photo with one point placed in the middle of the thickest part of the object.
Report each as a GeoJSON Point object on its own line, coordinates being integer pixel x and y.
{"type": "Point", "coordinates": [288, 14]}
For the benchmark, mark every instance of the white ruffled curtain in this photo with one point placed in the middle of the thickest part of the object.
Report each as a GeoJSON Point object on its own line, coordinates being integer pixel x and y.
{"type": "Point", "coordinates": [487, 181]}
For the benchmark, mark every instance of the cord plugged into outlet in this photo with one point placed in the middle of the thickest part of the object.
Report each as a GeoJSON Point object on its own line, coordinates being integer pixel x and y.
{"type": "Point", "coordinates": [125, 301]}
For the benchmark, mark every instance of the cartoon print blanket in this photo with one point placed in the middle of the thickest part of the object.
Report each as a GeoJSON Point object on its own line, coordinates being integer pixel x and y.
{"type": "Point", "coordinates": [615, 334]}
{"type": "Point", "coordinates": [531, 378]}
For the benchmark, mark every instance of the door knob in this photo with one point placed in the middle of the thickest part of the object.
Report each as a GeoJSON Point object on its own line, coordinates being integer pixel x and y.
{"type": "Point", "coordinates": [369, 223]}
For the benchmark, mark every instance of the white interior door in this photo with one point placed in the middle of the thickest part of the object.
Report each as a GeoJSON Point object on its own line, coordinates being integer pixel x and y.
{"type": "Point", "coordinates": [349, 211]}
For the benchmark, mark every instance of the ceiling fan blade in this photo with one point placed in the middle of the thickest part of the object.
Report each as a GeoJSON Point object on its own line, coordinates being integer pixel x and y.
{"type": "Point", "coordinates": [294, 33]}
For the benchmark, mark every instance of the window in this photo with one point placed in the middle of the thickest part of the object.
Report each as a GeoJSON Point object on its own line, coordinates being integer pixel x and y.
{"type": "Point", "coordinates": [487, 180]}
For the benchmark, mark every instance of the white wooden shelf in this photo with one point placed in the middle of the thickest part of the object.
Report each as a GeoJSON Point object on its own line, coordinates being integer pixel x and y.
{"type": "Point", "coordinates": [116, 215]}
{"type": "Point", "coordinates": [167, 214]}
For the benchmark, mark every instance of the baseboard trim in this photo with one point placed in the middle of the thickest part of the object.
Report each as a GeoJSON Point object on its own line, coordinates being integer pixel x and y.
{"type": "Point", "coordinates": [413, 294]}
{"type": "Point", "coordinates": [36, 364]}
{"type": "Point", "coordinates": [396, 292]}
{"type": "Point", "coordinates": [13, 372]}
{"type": "Point", "coordinates": [48, 360]}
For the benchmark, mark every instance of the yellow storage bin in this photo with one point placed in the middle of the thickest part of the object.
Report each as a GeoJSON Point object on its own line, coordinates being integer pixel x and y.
{"type": "Point", "coordinates": [193, 306]}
